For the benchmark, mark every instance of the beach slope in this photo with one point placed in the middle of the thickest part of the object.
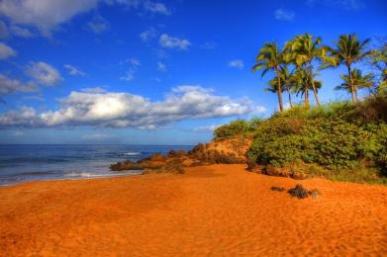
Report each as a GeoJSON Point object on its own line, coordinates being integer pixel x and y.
{"type": "Point", "coordinates": [218, 210]}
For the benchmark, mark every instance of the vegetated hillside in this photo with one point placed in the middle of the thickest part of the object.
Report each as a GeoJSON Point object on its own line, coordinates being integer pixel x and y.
{"type": "Point", "coordinates": [341, 140]}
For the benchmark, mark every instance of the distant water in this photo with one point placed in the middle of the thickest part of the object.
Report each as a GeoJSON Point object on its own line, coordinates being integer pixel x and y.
{"type": "Point", "coordinates": [41, 162]}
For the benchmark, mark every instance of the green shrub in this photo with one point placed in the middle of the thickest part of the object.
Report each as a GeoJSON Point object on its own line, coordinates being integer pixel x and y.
{"type": "Point", "coordinates": [331, 143]}
{"type": "Point", "coordinates": [237, 127]}
{"type": "Point", "coordinates": [347, 140]}
{"type": "Point", "coordinates": [234, 128]}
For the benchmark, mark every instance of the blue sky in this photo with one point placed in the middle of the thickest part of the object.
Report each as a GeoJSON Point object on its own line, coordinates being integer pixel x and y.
{"type": "Point", "coordinates": [152, 72]}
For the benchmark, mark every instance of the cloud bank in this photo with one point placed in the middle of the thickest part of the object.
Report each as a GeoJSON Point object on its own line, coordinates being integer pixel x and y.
{"type": "Point", "coordinates": [45, 15]}
{"type": "Point", "coordinates": [8, 86]}
{"type": "Point", "coordinates": [118, 109]}
{"type": "Point", "coordinates": [44, 73]}
{"type": "Point", "coordinates": [6, 51]}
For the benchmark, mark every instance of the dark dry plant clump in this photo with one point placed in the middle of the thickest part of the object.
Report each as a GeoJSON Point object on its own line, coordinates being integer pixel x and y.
{"type": "Point", "coordinates": [278, 189]}
{"type": "Point", "coordinates": [298, 191]}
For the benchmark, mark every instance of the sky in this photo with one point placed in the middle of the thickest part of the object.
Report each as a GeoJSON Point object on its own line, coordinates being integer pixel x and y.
{"type": "Point", "coordinates": [153, 71]}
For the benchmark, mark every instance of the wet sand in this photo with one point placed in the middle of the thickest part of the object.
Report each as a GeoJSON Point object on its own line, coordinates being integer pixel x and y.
{"type": "Point", "coordinates": [219, 210]}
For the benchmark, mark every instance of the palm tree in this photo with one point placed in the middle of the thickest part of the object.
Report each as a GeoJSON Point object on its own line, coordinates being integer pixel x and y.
{"type": "Point", "coordinates": [305, 50]}
{"type": "Point", "coordinates": [287, 73]}
{"type": "Point", "coordinates": [356, 80]}
{"type": "Point", "coordinates": [350, 50]}
{"type": "Point", "coordinates": [379, 62]}
{"type": "Point", "coordinates": [286, 83]}
{"type": "Point", "coordinates": [269, 58]}
{"type": "Point", "coordinates": [301, 83]}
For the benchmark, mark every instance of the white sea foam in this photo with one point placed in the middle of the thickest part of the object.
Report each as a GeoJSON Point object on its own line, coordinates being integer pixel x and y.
{"type": "Point", "coordinates": [132, 153]}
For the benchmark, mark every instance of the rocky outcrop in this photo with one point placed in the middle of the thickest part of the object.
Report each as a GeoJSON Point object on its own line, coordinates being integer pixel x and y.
{"type": "Point", "coordinates": [224, 151]}
{"type": "Point", "coordinates": [227, 151]}
{"type": "Point", "coordinates": [173, 162]}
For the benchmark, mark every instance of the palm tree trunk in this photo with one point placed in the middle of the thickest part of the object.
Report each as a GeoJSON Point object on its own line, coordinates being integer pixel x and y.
{"type": "Point", "coordinates": [315, 95]}
{"type": "Point", "coordinates": [290, 100]}
{"type": "Point", "coordinates": [353, 89]}
{"type": "Point", "coordinates": [306, 98]}
{"type": "Point", "coordinates": [314, 87]}
{"type": "Point", "coordinates": [279, 92]}
{"type": "Point", "coordinates": [290, 96]}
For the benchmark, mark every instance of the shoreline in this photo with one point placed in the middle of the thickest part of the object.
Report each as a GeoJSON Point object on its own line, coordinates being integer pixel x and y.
{"type": "Point", "coordinates": [217, 210]}
{"type": "Point", "coordinates": [69, 178]}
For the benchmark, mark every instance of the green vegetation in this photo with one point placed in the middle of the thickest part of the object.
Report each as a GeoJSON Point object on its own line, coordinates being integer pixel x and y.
{"type": "Point", "coordinates": [348, 51]}
{"type": "Point", "coordinates": [341, 141]}
{"type": "Point", "coordinates": [237, 127]}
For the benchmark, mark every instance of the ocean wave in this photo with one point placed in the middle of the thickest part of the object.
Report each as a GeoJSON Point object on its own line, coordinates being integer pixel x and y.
{"type": "Point", "coordinates": [132, 153]}
{"type": "Point", "coordinates": [83, 175]}
{"type": "Point", "coordinates": [99, 175]}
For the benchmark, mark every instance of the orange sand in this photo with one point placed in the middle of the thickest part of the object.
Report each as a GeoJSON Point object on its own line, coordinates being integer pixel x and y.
{"type": "Point", "coordinates": [219, 210]}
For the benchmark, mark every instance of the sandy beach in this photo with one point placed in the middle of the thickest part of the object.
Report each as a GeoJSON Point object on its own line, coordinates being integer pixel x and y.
{"type": "Point", "coordinates": [219, 210]}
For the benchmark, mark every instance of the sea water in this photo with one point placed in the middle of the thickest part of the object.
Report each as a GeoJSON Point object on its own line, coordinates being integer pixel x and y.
{"type": "Point", "coordinates": [20, 163]}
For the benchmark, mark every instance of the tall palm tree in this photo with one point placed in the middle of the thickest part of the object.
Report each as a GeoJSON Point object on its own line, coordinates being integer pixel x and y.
{"type": "Point", "coordinates": [286, 83]}
{"type": "Point", "coordinates": [348, 51]}
{"type": "Point", "coordinates": [356, 80]}
{"type": "Point", "coordinates": [268, 59]}
{"type": "Point", "coordinates": [287, 73]}
{"type": "Point", "coordinates": [301, 83]}
{"type": "Point", "coordinates": [305, 51]}
{"type": "Point", "coordinates": [379, 62]}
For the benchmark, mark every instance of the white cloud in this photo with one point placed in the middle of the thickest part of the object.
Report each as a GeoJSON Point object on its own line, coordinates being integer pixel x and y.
{"type": "Point", "coordinates": [238, 64]}
{"type": "Point", "coordinates": [167, 41]}
{"type": "Point", "coordinates": [44, 14]}
{"type": "Point", "coordinates": [133, 62]}
{"type": "Point", "coordinates": [348, 5]}
{"type": "Point", "coordinates": [25, 116]}
{"type": "Point", "coordinates": [38, 97]}
{"type": "Point", "coordinates": [161, 67]}
{"type": "Point", "coordinates": [206, 129]}
{"type": "Point", "coordinates": [284, 14]}
{"type": "Point", "coordinates": [148, 34]}
{"type": "Point", "coordinates": [6, 51]}
{"type": "Point", "coordinates": [155, 7]}
{"type": "Point", "coordinates": [118, 109]}
{"type": "Point", "coordinates": [4, 33]}
{"type": "Point", "coordinates": [259, 109]}
{"type": "Point", "coordinates": [133, 66]}
{"type": "Point", "coordinates": [74, 71]}
{"type": "Point", "coordinates": [43, 73]}
{"type": "Point", "coordinates": [94, 90]}
{"type": "Point", "coordinates": [21, 32]}
{"type": "Point", "coordinates": [98, 25]}
{"type": "Point", "coordinates": [129, 76]}
{"type": "Point", "coordinates": [143, 5]}
{"type": "Point", "coordinates": [8, 86]}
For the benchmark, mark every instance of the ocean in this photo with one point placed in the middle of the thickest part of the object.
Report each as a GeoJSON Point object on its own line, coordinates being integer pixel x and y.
{"type": "Point", "coordinates": [20, 163]}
